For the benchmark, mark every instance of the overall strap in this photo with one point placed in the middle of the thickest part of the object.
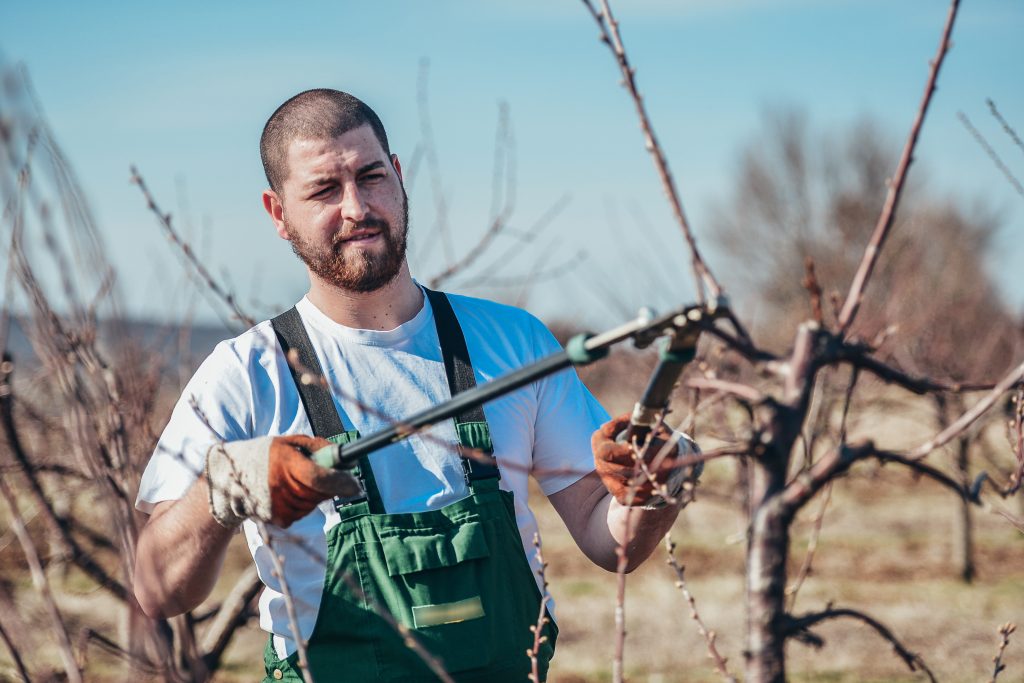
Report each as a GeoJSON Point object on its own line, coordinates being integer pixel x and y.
{"type": "Point", "coordinates": [471, 425]}
{"type": "Point", "coordinates": [316, 399]}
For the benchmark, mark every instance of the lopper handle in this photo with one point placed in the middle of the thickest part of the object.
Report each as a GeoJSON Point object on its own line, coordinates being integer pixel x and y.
{"type": "Point", "coordinates": [328, 457]}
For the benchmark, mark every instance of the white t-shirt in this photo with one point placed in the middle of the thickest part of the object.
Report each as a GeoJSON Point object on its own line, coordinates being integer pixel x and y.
{"type": "Point", "coordinates": [244, 390]}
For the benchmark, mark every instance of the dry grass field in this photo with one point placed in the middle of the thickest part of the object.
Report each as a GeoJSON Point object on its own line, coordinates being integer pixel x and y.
{"type": "Point", "coordinates": [884, 548]}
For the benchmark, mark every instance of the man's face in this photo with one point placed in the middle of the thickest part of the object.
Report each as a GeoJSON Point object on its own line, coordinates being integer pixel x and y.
{"type": "Point", "coordinates": [344, 210]}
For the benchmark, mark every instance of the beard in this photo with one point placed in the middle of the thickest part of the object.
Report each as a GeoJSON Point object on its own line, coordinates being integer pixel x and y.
{"type": "Point", "coordinates": [360, 270]}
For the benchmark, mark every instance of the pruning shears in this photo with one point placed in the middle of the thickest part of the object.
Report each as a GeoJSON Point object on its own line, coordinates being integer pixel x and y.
{"type": "Point", "coordinates": [679, 331]}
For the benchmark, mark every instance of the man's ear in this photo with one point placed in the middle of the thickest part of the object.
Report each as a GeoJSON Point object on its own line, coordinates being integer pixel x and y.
{"type": "Point", "coordinates": [398, 166]}
{"type": "Point", "coordinates": [274, 207]}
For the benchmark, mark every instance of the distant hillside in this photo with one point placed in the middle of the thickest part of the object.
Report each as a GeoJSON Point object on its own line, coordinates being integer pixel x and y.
{"type": "Point", "coordinates": [172, 342]}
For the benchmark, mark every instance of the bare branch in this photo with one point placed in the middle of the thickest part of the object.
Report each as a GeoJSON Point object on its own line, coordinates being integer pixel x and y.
{"type": "Point", "coordinates": [708, 634]}
{"type": "Point", "coordinates": [542, 615]}
{"type": "Point", "coordinates": [810, 283]}
{"type": "Point", "coordinates": [87, 635]}
{"type": "Point", "coordinates": [740, 391]}
{"type": "Point", "coordinates": [501, 217]}
{"type": "Point", "coordinates": [954, 430]}
{"type": "Point", "coordinates": [609, 27]}
{"type": "Point", "coordinates": [812, 546]}
{"type": "Point", "coordinates": [805, 485]}
{"type": "Point", "coordinates": [798, 627]}
{"type": "Point", "coordinates": [165, 222]}
{"type": "Point", "coordinates": [1016, 435]}
{"type": "Point", "coordinates": [885, 220]}
{"type": "Point", "coordinates": [233, 613]}
{"type": "Point", "coordinates": [42, 585]}
{"type": "Point", "coordinates": [991, 153]}
{"type": "Point", "coordinates": [859, 357]}
{"type": "Point", "coordinates": [1004, 639]}
{"type": "Point", "coordinates": [441, 224]}
{"type": "Point", "coordinates": [293, 619]}
{"type": "Point", "coordinates": [15, 655]}
{"type": "Point", "coordinates": [58, 526]}
{"type": "Point", "coordinates": [1006, 126]}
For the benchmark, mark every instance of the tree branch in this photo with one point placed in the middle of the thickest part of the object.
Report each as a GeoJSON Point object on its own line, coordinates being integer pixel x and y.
{"type": "Point", "coordinates": [42, 585]}
{"type": "Point", "coordinates": [991, 153]}
{"type": "Point", "coordinates": [805, 485]}
{"type": "Point", "coordinates": [708, 634]}
{"type": "Point", "coordinates": [798, 627]}
{"type": "Point", "coordinates": [609, 27]}
{"type": "Point", "coordinates": [885, 219]}
{"type": "Point", "coordinates": [1004, 639]}
{"type": "Point", "coordinates": [954, 430]}
{"type": "Point", "coordinates": [232, 614]}
{"type": "Point", "coordinates": [858, 356]}
{"type": "Point", "coordinates": [165, 222]}
{"type": "Point", "coordinates": [58, 526]}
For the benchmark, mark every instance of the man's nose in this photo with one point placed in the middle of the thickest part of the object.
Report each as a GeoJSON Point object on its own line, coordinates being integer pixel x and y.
{"type": "Point", "coordinates": [353, 207]}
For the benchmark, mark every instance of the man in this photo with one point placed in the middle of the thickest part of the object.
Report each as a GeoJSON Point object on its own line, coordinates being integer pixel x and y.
{"type": "Point", "coordinates": [416, 537]}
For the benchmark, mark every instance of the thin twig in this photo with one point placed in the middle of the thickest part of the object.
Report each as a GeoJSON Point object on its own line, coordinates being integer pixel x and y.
{"type": "Point", "coordinates": [42, 585]}
{"type": "Point", "coordinates": [1004, 639]}
{"type": "Point", "coordinates": [56, 525]}
{"type": "Point", "coordinates": [620, 588]}
{"type": "Point", "coordinates": [233, 612]}
{"type": "Point", "coordinates": [1016, 437]}
{"type": "Point", "coordinates": [542, 615]}
{"type": "Point", "coordinates": [15, 655]}
{"type": "Point", "coordinates": [885, 219]}
{"type": "Point", "coordinates": [441, 224]}
{"type": "Point", "coordinates": [812, 546]}
{"type": "Point", "coordinates": [501, 217]}
{"type": "Point", "coordinates": [289, 603]}
{"type": "Point", "coordinates": [709, 635]}
{"type": "Point", "coordinates": [488, 272]}
{"type": "Point", "coordinates": [610, 36]}
{"type": "Point", "coordinates": [991, 153]}
{"type": "Point", "coordinates": [741, 391]}
{"type": "Point", "coordinates": [165, 222]}
{"type": "Point", "coordinates": [799, 627]}
{"type": "Point", "coordinates": [858, 356]}
{"type": "Point", "coordinates": [967, 419]}
{"type": "Point", "coordinates": [1006, 126]}
{"type": "Point", "coordinates": [810, 283]}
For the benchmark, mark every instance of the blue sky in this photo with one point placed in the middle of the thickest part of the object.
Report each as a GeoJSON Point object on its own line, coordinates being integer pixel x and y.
{"type": "Point", "coordinates": [182, 90]}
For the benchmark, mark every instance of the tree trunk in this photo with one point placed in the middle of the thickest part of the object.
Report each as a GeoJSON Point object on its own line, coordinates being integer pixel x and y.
{"type": "Point", "coordinates": [766, 588]}
{"type": "Point", "coordinates": [963, 538]}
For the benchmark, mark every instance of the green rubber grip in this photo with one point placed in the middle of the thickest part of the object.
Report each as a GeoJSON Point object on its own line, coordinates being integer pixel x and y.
{"type": "Point", "coordinates": [681, 356]}
{"type": "Point", "coordinates": [328, 457]}
{"type": "Point", "coordinates": [579, 354]}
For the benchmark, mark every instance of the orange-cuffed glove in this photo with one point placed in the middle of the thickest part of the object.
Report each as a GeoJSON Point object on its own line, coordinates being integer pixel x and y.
{"type": "Point", "coordinates": [272, 479]}
{"type": "Point", "coordinates": [615, 462]}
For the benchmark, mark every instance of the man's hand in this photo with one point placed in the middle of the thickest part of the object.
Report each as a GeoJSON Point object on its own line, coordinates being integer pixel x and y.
{"type": "Point", "coordinates": [616, 463]}
{"type": "Point", "coordinates": [271, 479]}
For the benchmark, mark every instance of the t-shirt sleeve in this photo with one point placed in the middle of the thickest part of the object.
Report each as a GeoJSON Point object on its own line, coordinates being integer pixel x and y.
{"type": "Point", "coordinates": [215, 406]}
{"type": "Point", "coordinates": [567, 415]}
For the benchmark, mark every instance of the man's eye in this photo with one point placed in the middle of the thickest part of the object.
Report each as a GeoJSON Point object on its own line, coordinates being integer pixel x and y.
{"type": "Point", "coordinates": [372, 177]}
{"type": "Point", "coordinates": [320, 194]}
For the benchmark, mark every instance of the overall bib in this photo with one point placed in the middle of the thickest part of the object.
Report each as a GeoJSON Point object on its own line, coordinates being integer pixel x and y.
{"type": "Point", "coordinates": [455, 578]}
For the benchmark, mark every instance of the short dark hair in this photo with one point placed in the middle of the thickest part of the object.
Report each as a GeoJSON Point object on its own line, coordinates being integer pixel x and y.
{"type": "Point", "coordinates": [318, 114]}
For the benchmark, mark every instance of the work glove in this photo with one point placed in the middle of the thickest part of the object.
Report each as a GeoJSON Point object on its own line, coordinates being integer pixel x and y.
{"type": "Point", "coordinates": [615, 462]}
{"type": "Point", "coordinates": [271, 479]}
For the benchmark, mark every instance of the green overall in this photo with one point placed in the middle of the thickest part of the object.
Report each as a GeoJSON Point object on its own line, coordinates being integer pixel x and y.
{"type": "Point", "coordinates": [456, 578]}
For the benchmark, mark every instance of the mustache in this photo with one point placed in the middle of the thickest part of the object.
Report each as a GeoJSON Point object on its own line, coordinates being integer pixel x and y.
{"type": "Point", "coordinates": [366, 224]}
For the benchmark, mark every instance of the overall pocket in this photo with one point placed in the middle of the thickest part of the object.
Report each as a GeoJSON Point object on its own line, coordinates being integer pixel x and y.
{"type": "Point", "coordinates": [429, 579]}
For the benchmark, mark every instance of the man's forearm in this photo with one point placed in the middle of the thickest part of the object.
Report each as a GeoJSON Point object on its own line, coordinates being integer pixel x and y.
{"type": "Point", "coordinates": [598, 523]}
{"type": "Point", "coordinates": [180, 553]}
{"type": "Point", "coordinates": [645, 529]}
